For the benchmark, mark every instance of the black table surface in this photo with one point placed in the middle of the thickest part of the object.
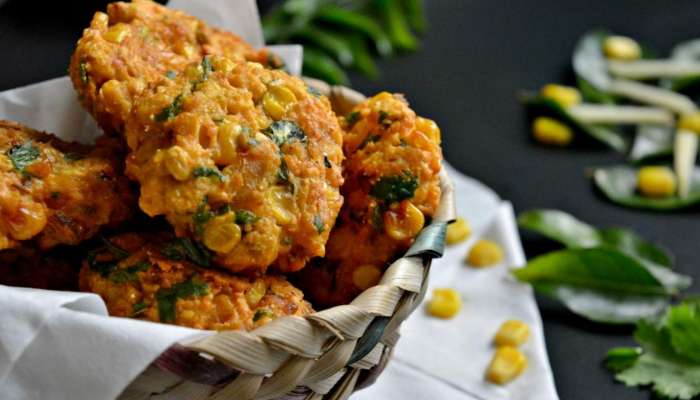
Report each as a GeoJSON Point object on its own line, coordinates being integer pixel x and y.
{"type": "Point", "coordinates": [477, 55]}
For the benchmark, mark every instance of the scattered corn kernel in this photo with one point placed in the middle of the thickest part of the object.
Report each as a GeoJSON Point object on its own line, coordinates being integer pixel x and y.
{"type": "Point", "coordinates": [256, 292]}
{"type": "Point", "coordinates": [429, 127]}
{"type": "Point", "coordinates": [282, 205]}
{"type": "Point", "coordinates": [445, 303]}
{"type": "Point", "coordinates": [485, 253]}
{"type": "Point", "coordinates": [404, 223]}
{"type": "Point", "coordinates": [28, 222]}
{"type": "Point", "coordinates": [512, 333]}
{"type": "Point", "coordinates": [656, 181]}
{"type": "Point", "coordinates": [507, 364]}
{"type": "Point", "coordinates": [621, 48]}
{"type": "Point", "coordinates": [550, 131]}
{"type": "Point", "coordinates": [457, 231]}
{"type": "Point", "coordinates": [226, 137]}
{"type": "Point", "coordinates": [565, 96]}
{"type": "Point", "coordinates": [117, 33]}
{"type": "Point", "coordinates": [366, 276]}
{"type": "Point", "coordinates": [276, 100]}
{"type": "Point", "coordinates": [177, 162]}
{"type": "Point", "coordinates": [690, 122]}
{"type": "Point", "coordinates": [221, 234]}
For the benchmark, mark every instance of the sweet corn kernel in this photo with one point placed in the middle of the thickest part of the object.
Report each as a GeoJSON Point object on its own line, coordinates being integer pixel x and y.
{"type": "Point", "coordinates": [365, 276]}
{"type": "Point", "coordinates": [177, 162]}
{"type": "Point", "coordinates": [29, 221]}
{"type": "Point", "coordinates": [621, 48]}
{"type": "Point", "coordinates": [565, 96]}
{"type": "Point", "coordinates": [256, 292]}
{"type": "Point", "coordinates": [690, 122]}
{"type": "Point", "coordinates": [512, 333]}
{"type": "Point", "coordinates": [227, 137]}
{"type": "Point", "coordinates": [281, 205]}
{"type": "Point", "coordinates": [445, 303]}
{"type": "Point", "coordinates": [117, 33]}
{"type": "Point", "coordinates": [276, 100]}
{"type": "Point", "coordinates": [458, 231]}
{"type": "Point", "coordinates": [225, 309]}
{"type": "Point", "coordinates": [550, 131]}
{"type": "Point", "coordinates": [429, 127]}
{"type": "Point", "coordinates": [404, 223]}
{"type": "Point", "coordinates": [656, 181]}
{"type": "Point", "coordinates": [221, 234]}
{"type": "Point", "coordinates": [485, 253]}
{"type": "Point", "coordinates": [507, 364]}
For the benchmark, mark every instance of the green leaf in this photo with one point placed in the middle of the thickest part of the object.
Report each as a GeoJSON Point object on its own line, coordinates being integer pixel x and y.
{"type": "Point", "coordinates": [328, 41]}
{"type": "Point", "coordinates": [167, 298]}
{"type": "Point", "coordinates": [23, 155]}
{"type": "Point", "coordinates": [393, 189]}
{"type": "Point", "coordinates": [83, 72]}
{"type": "Point", "coordinates": [262, 313]}
{"type": "Point", "coordinates": [318, 64]}
{"type": "Point", "coordinates": [244, 217]}
{"type": "Point", "coordinates": [209, 172]}
{"type": "Point", "coordinates": [285, 132]}
{"type": "Point", "coordinates": [542, 106]}
{"type": "Point", "coordinates": [318, 224]}
{"type": "Point", "coordinates": [621, 358]}
{"type": "Point", "coordinates": [396, 25]}
{"type": "Point", "coordinates": [352, 118]}
{"type": "Point", "coordinates": [683, 323]}
{"type": "Point", "coordinates": [130, 273]}
{"type": "Point", "coordinates": [353, 21]}
{"type": "Point", "coordinates": [573, 233]}
{"type": "Point", "coordinates": [685, 51]}
{"type": "Point", "coordinates": [186, 249]}
{"type": "Point", "coordinates": [651, 143]}
{"type": "Point", "coordinates": [590, 64]}
{"type": "Point", "coordinates": [138, 308]}
{"type": "Point", "coordinates": [170, 111]}
{"type": "Point", "coordinates": [619, 184]}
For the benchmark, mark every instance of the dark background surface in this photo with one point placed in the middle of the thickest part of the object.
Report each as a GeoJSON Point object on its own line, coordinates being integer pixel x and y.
{"type": "Point", "coordinates": [475, 58]}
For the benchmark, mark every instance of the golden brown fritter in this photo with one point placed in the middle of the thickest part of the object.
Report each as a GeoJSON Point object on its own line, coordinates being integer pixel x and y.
{"type": "Point", "coordinates": [241, 158]}
{"type": "Point", "coordinates": [57, 192]}
{"type": "Point", "coordinates": [391, 186]}
{"type": "Point", "coordinates": [154, 277]}
{"type": "Point", "coordinates": [138, 44]}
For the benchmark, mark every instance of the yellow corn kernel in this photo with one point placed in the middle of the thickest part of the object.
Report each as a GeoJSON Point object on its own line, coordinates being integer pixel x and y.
{"type": "Point", "coordinates": [404, 223]}
{"type": "Point", "coordinates": [276, 100]}
{"type": "Point", "coordinates": [221, 234]}
{"type": "Point", "coordinates": [28, 222]}
{"type": "Point", "coordinates": [187, 315]}
{"type": "Point", "coordinates": [458, 231]}
{"type": "Point", "coordinates": [656, 181]}
{"type": "Point", "coordinates": [445, 303]}
{"type": "Point", "coordinates": [281, 204]}
{"type": "Point", "coordinates": [256, 292]}
{"type": "Point", "coordinates": [225, 309]}
{"type": "Point", "coordinates": [185, 49]}
{"type": "Point", "coordinates": [177, 162]}
{"type": "Point", "coordinates": [512, 333]}
{"type": "Point", "coordinates": [565, 96]}
{"type": "Point", "coordinates": [507, 364]}
{"type": "Point", "coordinates": [366, 276]}
{"type": "Point", "coordinates": [485, 253]}
{"type": "Point", "coordinates": [227, 137]}
{"type": "Point", "coordinates": [117, 33]}
{"type": "Point", "coordinates": [690, 122]}
{"type": "Point", "coordinates": [429, 127]}
{"type": "Point", "coordinates": [550, 131]}
{"type": "Point", "coordinates": [621, 48]}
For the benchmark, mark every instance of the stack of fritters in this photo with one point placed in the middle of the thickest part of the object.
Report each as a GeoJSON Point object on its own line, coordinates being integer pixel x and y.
{"type": "Point", "coordinates": [239, 169]}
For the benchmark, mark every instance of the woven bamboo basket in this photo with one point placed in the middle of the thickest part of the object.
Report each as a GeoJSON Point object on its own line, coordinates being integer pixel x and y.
{"type": "Point", "coordinates": [325, 355]}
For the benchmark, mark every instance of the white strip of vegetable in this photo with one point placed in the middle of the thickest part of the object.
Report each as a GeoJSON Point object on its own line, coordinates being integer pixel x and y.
{"type": "Point", "coordinates": [685, 149]}
{"type": "Point", "coordinates": [614, 114]}
{"type": "Point", "coordinates": [650, 69]}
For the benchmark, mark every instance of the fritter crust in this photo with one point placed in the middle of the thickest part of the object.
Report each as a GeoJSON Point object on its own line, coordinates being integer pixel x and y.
{"type": "Point", "coordinates": [241, 158]}
{"type": "Point", "coordinates": [57, 192]}
{"type": "Point", "coordinates": [149, 277]}
{"type": "Point", "coordinates": [391, 187]}
{"type": "Point", "coordinates": [138, 44]}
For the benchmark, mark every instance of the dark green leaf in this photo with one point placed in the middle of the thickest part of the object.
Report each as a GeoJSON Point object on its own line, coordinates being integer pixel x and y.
{"type": "Point", "coordinates": [328, 41]}
{"type": "Point", "coordinates": [138, 308]}
{"type": "Point", "coordinates": [23, 155]}
{"type": "Point", "coordinates": [369, 139]}
{"type": "Point", "coordinates": [244, 217]}
{"type": "Point", "coordinates": [130, 273]}
{"type": "Point", "coordinates": [652, 143]}
{"type": "Point", "coordinates": [115, 250]}
{"type": "Point", "coordinates": [362, 59]}
{"type": "Point", "coordinates": [185, 249]}
{"type": "Point", "coordinates": [318, 224]}
{"type": "Point", "coordinates": [285, 132]}
{"type": "Point", "coordinates": [317, 64]}
{"type": "Point", "coordinates": [209, 172]}
{"type": "Point", "coordinates": [541, 106]}
{"type": "Point", "coordinates": [170, 111]}
{"type": "Point", "coordinates": [384, 119]}
{"type": "Point", "coordinates": [327, 162]}
{"type": "Point", "coordinates": [396, 25]}
{"type": "Point", "coordinates": [393, 189]}
{"type": "Point", "coordinates": [415, 14]}
{"type": "Point", "coordinates": [167, 298]}
{"type": "Point", "coordinates": [683, 323]}
{"type": "Point", "coordinates": [621, 358]}
{"type": "Point", "coordinates": [354, 21]}
{"type": "Point", "coordinates": [262, 313]}
{"type": "Point", "coordinates": [619, 184]}
{"type": "Point", "coordinates": [283, 172]}
{"type": "Point", "coordinates": [352, 118]}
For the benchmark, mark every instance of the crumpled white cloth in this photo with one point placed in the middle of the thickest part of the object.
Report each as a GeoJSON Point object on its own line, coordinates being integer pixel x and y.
{"type": "Point", "coordinates": [446, 359]}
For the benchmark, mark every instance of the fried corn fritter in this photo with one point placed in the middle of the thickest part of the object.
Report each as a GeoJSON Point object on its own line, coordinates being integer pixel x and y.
{"type": "Point", "coordinates": [391, 187]}
{"type": "Point", "coordinates": [243, 159]}
{"type": "Point", "coordinates": [138, 44]}
{"type": "Point", "coordinates": [154, 277]}
{"type": "Point", "coordinates": [57, 192]}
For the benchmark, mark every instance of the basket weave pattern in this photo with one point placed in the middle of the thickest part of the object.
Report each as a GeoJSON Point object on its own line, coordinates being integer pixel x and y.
{"type": "Point", "coordinates": [325, 355]}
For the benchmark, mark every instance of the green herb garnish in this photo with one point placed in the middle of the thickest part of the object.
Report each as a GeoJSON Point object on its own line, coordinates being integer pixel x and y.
{"type": "Point", "coordinates": [285, 132]}
{"type": "Point", "coordinates": [82, 71]}
{"type": "Point", "coordinates": [129, 274]}
{"type": "Point", "coordinates": [262, 313]}
{"type": "Point", "coordinates": [369, 139]}
{"type": "Point", "coordinates": [327, 162]}
{"type": "Point", "coordinates": [182, 249]}
{"type": "Point", "coordinates": [244, 217]}
{"type": "Point", "coordinates": [283, 172]}
{"type": "Point", "coordinates": [167, 298]}
{"type": "Point", "coordinates": [171, 74]}
{"type": "Point", "coordinates": [170, 111]}
{"type": "Point", "coordinates": [116, 251]}
{"type": "Point", "coordinates": [384, 119]}
{"type": "Point", "coordinates": [352, 118]}
{"type": "Point", "coordinates": [209, 172]}
{"type": "Point", "coordinates": [318, 224]}
{"type": "Point", "coordinates": [138, 308]}
{"type": "Point", "coordinates": [23, 155]}
{"type": "Point", "coordinates": [393, 189]}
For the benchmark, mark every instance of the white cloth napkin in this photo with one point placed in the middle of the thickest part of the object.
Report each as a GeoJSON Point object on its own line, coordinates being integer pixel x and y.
{"type": "Point", "coordinates": [446, 359]}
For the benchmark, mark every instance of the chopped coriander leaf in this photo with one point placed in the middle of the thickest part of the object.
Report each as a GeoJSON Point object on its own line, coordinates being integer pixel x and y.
{"type": "Point", "coordinates": [82, 71]}
{"type": "Point", "coordinates": [223, 210]}
{"type": "Point", "coordinates": [327, 162]}
{"type": "Point", "coordinates": [170, 111]}
{"type": "Point", "coordinates": [369, 139]}
{"type": "Point", "coordinates": [377, 218]}
{"type": "Point", "coordinates": [194, 287]}
{"type": "Point", "coordinates": [201, 217]}
{"type": "Point", "coordinates": [207, 68]}
{"type": "Point", "coordinates": [318, 224]}
{"type": "Point", "coordinates": [23, 155]}
{"type": "Point", "coordinates": [352, 118]}
{"type": "Point", "coordinates": [262, 313]}
{"type": "Point", "coordinates": [384, 119]}
{"type": "Point", "coordinates": [209, 172]}
{"type": "Point", "coordinates": [285, 132]}
{"type": "Point", "coordinates": [138, 308]}
{"type": "Point", "coordinates": [115, 250]}
{"type": "Point", "coordinates": [129, 274]}
{"type": "Point", "coordinates": [244, 217]}
{"type": "Point", "coordinates": [185, 249]}
{"type": "Point", "coordinates": [393, 189]}
{"type": "Point", "coordinates": [283, 172]}
{"type": "Point", "coordinates": [171, 74]}
{"type": "Point", "coordinates": [104, 268]}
